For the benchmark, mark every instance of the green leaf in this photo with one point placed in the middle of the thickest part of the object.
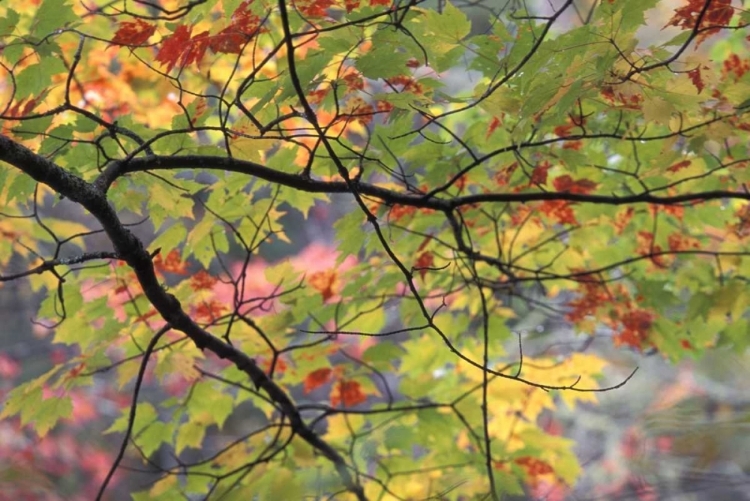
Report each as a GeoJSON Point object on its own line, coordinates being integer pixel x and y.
{"type": "Point", "coordinates": [50, 411]}
{"type": "Point", "coordinates": [189, 434]}
{"type": "Point", "coordinates": [52, 15]}
{"type": "Point", "coordinates": [34, 79]}
{"type": "Point", "coordinates": [8, 23]}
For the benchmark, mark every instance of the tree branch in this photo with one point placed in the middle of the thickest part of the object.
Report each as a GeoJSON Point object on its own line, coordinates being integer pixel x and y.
{"type": "Point", "coordinates": [392, 197]}
{"type": "Point", "coordinates": [129, 248]}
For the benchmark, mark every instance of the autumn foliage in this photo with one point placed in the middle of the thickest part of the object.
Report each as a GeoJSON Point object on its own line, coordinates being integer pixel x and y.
{"type": "Point", "coordinates": [305, 238]}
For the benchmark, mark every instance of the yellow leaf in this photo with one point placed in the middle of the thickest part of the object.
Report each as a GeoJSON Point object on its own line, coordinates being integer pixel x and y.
{"type": "Point", "coordinates": [190, 434]}
{"type": "Point", "coordinates": [163, 485]}
{"type": "Point", "coordinates": [657, 110]}
{"type": "Point", "coordinates": [248, 143]}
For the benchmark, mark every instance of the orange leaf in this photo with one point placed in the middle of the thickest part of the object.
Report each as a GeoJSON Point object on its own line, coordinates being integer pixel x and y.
{"type": "Point", "coordinates": [560, 210]}
{"type": "Point", "coordinates": [316, 379]}
{"type": "Point", "coordinates": [325, 282]}
{"type": "Point", "coordinates": [348, 393]}
{"type": "Point", "coordinates": [534, 466]}
{"type": "Point", "coordinates": [210, 310]}
{"type": "Point", "coordinates": [172, 263]}
{"type": "Point", "coordinates": [202, 281]}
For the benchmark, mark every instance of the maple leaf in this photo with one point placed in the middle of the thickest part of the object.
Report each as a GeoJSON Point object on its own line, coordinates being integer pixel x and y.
{"type": "Point", "coordinates": [424, 262]}
{"type": "Point", "coordinates": [696, 78]}
{"type": "Point", "coordinates": [559, 210]}
{"type": "Point", "coordinates": [181, 50]}
{"type": "Point", "coordinates": [563, 130]}
{"type": "Point", "coordinates": [228, 41]}
{"type": "Point", "coordinates": [347, 393]}
{"type": "Point", "coordinates": [244, 25]}
{"type": "Point", "coordinates": [678, 166]}
{"type": "Point", "coordinates": [317, 378]}
{"type": "Point", "coordinates": [210, 310]}
{"type": "Point", "coordinates": [326, 282]}
{"type": "Point", "coordinates": [18, 111]}
{"type": "Point", "coordinates": [539, 174]}
{"type": "Point", "coordinates": [173, 47]}
{"type": "Point", "coordinates": [172, 264]}
{"type": "Point", "coordinates": [622, 219]}
{"type": "Point", "coordinates": [494, 124]}
{"type": "Point", "coordinates": [636, 325]}
{"type": "Point", "coordinates": [717, 15]}
{"type": "Point", "coordinates": [314, 8]}
{"type": "Point", "coordinates": [736, 66]}
{"type": "Point", "coordinates": [678, 242]}
{"type": "Point", "coordinates": [202, 281]}
{"type": "Point", "coordinates": [195, 49]}
{"type": "Point", "coordinates": [534, 466]}
{"type": "Point", "coordinates": [566, 184]}
{"type": "Point", "coordinates": [133, 33]}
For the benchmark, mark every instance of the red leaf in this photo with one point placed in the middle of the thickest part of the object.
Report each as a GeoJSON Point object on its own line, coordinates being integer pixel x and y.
{"type": "Point", "coordinates": [135, 33]}
{"type": "Point", "coordinates": [202, 281]}
{"type": "Point", "coordinates": [228, 41]}
{"type": "Point", "coordinates": [678, 166]}
{"type": "Point", "coordinates": [243, 27]}
{"type": "Point", "coordinates": [173, 46]}
{"type": "Point", "coordinates": [718, 15]}
{"type": "Point", "coordinates": [424, 262]}
{"type": "Point", "coordinates": [18, 111]}
{"type": "Point", "coordinates": [560, 210]}
{"type": "Point", "coordinates": [733, 64]}
{"type": "Point", "coordinates": [566, 184]}
{"type": "Point", "coordinates": [314, 8]}
{"type": "Point", "coordinates": [348, 393]}
{"type": "Point", "coordinates": [563, 130]}
{"type": "Point", "coordinates": [180, 49]}
{"type": "Point", "coordinates": [316, 379]}
{"type": "Point", "coordinates": [636, 325]}
{"type": "Point", "coordinates": [539, 175]}
{"type": "Point", "coordinates": [195, 50]}
{"type": "Point", "coordinates": [494, 124]}
{"type": "Point", "coordinates": [696, 78]}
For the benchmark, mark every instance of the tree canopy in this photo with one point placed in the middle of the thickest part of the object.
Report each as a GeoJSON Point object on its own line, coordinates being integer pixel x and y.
{"type": "Point", "coordinates": [325, 222]}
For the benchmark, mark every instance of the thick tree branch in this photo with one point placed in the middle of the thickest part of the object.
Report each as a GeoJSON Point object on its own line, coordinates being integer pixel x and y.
{"type": "Point", "coordinates": [392, 197]}
{"type": "Point", "coordinates": [129, 248]}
